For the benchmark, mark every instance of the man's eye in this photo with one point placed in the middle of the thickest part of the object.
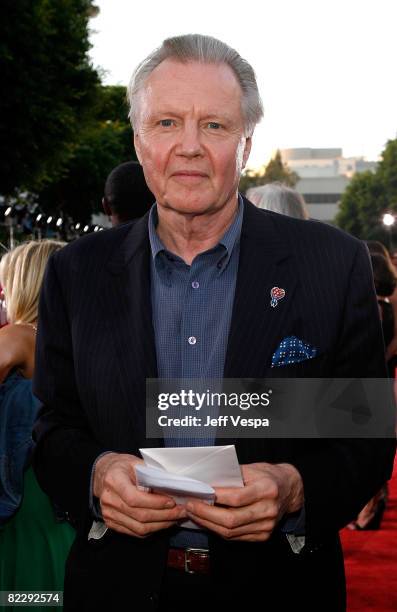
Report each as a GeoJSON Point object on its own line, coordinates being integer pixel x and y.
{"type": "Point", "coordinates": [214, 125]}
{"type": "Point", "coordinates": [166, 122]}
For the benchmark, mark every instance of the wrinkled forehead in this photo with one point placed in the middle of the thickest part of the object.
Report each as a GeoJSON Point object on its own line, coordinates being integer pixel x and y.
{"type": "Point", "coordinates": [186, 83]}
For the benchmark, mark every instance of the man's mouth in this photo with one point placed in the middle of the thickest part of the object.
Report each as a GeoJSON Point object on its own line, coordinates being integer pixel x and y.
{"type": "Point", "coordinates": [190, 173]}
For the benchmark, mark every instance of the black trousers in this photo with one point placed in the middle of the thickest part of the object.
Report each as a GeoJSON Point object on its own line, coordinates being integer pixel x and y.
{"type": "Point", "coordinates": [182, 592]}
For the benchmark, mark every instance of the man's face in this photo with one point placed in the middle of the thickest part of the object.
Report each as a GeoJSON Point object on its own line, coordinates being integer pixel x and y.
{"type": "Point", "coordinates": [189, 136]}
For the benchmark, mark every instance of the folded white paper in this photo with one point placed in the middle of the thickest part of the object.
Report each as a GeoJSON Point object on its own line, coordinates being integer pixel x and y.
{"type": "Point", "coordinates": [179, 487]}
{"type": "Point", "coordinates": [216, 466]}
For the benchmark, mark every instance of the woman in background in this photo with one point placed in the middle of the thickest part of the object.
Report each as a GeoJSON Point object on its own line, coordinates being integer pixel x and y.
{"type": "Point", "coordinates": [280, 199]}
{"type": "Point", "coordinates": [33, 543]}
{"type": "Point", "coordinates": [385, 280]}
{"type": "Point", "coordinates": [384, 274]}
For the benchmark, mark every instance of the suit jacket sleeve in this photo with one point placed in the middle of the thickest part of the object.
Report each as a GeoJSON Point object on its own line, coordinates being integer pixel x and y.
{"type": "Point", "coordinates": [66, 448]}
{"type": "Point", "coordinates": [341, 475]}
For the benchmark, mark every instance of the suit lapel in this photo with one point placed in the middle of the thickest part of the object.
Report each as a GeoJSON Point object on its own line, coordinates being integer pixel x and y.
{"type": "Point", "coordinates": [127, 299]}
{"type": "Point", "coordinates": [256, 327]}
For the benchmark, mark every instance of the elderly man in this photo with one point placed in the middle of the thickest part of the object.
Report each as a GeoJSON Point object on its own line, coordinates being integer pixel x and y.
{"type": "Point", "coordinates": [185, 292]}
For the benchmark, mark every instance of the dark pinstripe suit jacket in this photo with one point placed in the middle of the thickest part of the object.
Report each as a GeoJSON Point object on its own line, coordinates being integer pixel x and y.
{"type": "Point", "coordinates": [95, 348]}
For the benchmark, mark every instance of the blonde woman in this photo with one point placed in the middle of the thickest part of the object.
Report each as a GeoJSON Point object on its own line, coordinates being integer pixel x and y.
{"type": "Point", "coordinates": [33, 543]}
{"type": "Point", "coordinates": [21, 275]}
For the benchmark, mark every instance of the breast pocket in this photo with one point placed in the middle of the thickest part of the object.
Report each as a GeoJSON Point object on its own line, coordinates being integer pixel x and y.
{"type": "Point", "coordinates": [309, 368]}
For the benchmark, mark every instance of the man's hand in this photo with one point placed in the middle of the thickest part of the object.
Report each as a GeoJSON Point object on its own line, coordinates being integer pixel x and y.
{"type": "Point", "coordinates": [124, 507]}
{"type": "Point", "coordinates": [251, 513]}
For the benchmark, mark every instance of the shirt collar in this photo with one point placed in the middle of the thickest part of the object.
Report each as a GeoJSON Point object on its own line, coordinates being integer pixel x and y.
{"type": "Point", "coordinates": [155, 243]}
{"type": "Point", "coordinates": [228, 240]}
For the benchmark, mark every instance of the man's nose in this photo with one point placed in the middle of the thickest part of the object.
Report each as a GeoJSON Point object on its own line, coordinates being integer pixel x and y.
{"type": "Point", "coordinates": [190, 142]}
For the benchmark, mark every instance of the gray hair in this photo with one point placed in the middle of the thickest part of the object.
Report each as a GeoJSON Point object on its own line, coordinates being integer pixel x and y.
{"type": "Point", "coordinates": [204, 49]}
{"type": "Point", "coordinates": [279, 198]}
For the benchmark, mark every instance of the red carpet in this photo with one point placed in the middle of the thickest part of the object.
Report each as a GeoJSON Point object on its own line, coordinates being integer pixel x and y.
{"type": "Point", "coordinates": [371, 562]}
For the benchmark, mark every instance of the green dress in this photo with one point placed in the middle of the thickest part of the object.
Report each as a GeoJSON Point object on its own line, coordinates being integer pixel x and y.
{"type": "Point", "coordinates": [34, 546]}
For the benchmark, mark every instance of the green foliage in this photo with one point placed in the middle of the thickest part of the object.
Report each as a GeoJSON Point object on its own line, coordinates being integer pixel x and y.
{"type": "Point", "coordinates": [361, 206]}
{"type": "Point", "coordinates": [61, 131]}
{"type": "Point", "coordinates": [276, 170]}
{"type": "Point", "coordinates": [368, 196]}
{"type": "Point", "coordinates": [111, 104]}
{"type": "Point", "coordinates": [48, 87]}
{"type": "Point", "coordinates": [105, 141]}
{"type": "Point", "coordinates": [387, 171]}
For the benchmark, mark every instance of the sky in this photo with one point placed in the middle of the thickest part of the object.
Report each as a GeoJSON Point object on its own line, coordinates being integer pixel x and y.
{"type": "Point", "coordinates": [326, 70]}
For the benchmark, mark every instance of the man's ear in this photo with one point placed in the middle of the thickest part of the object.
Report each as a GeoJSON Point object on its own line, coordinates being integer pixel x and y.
{"type": "Point", "coordinates": [247, 150]}
{"type": "Point", "coordinates": [137, 146]}
{"type": "Point", "coordinates": [106, 207]}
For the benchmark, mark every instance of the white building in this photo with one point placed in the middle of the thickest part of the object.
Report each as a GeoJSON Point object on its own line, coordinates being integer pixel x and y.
{"type": "Point", "coordinates": [324, 175]}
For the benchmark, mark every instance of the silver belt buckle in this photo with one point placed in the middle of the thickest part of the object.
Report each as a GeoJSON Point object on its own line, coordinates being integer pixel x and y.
{"type": "Point", "coordinates": [203, 551]}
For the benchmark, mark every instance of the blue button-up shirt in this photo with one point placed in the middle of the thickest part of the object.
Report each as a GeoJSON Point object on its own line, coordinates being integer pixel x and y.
{"type": "Point", "coordinates": [192, 305]}
{"type": "Point", "coordinates": [192, 309]}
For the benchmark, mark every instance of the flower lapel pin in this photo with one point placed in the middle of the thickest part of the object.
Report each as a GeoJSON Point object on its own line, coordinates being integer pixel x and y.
{"type": "Point", "coordinates": [277, 294]}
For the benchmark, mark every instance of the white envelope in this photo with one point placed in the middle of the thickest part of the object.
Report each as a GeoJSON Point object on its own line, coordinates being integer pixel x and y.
{"type": "Point", "coordinates": [154, 479]}
{"type": "Point", "coordinates": [217, 466]}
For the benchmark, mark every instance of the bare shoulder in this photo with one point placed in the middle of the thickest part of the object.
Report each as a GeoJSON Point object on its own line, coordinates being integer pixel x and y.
{"type": "Point", "coordinates": [15, 342]}
{"type": "Point", "coordinates": [14, 334]}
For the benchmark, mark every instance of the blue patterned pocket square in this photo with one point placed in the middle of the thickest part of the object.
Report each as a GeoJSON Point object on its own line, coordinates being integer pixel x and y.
{"type": "Point", "coordinates": [292, 350]}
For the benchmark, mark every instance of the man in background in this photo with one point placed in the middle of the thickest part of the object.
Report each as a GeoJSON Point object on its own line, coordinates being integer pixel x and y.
{"type": "Point", "coordinates": [127, 195]}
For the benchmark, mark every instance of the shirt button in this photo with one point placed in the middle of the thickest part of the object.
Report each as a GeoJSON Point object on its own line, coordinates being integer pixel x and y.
{"type": "Point", "coordinates": [219, 265]}
{"type": "Point", "coordinates": [195, 285]}
{"type": "Point", "coordinates": [192, 340]}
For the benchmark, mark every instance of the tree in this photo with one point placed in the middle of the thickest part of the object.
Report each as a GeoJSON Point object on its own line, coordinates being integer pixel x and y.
{"type": "Point", "coordinates": [48, 87]}
{"type": "Point", "coordinates": [276, 170]}
{"type": "Point", "coordinates": [111, 104]}
{"type": "Point", "coordinates": [105, 141]}
{"type": "Point", "coordinates": [361, 207]}
{"type": "Point", "coordinates": [387, 172]}
{"type": "Point", "coordinates": [368, 196]}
